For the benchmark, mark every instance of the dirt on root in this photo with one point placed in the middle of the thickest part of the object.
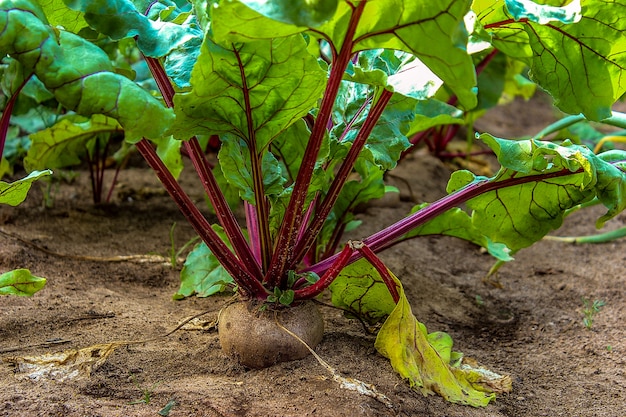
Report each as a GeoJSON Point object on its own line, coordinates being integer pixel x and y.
{"type": "Point", "coordinates": [531, 329]}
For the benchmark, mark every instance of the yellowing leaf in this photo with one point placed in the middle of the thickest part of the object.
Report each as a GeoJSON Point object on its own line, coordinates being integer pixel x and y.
{"type": "Point", "coordinates": [414, 355]}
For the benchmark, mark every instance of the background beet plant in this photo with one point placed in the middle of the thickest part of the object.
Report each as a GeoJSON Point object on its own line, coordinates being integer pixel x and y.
{"type": "Point", "coordinates": [311, 103]}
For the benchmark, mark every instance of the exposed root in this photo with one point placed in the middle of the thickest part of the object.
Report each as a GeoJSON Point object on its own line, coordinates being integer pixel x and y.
{"type": "Point", "coordinates": [345, 383]}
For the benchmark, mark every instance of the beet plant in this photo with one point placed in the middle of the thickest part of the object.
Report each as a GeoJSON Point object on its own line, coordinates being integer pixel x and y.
{"type": "Point", "coordinates": [312, 103]}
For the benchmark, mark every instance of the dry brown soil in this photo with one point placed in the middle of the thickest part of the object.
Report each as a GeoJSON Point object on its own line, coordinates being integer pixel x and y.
{"type": "Point", "coordinates": [532, 329]}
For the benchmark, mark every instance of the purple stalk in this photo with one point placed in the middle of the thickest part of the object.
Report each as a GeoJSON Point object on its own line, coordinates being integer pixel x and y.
{"type": "Point", "coordinates": [327, 204]}
{"type": "Point", "coordinates": [261, 203]}
{"type": "Point", "coordinates": [6, 114]}
{"type": "Point", "coordinates": [249, 285]}
{"type": "Point", "coordinates": [288, 233]}
{"type": "Point", "coordinates": [388, 236]}
{"type": "Point", "coordinates": [317, 288]}
{"type": "Point", "coordinates": [224, 214]}
{"type": "Point", "coordinates": [380, 266]}
{"type": "Point", "coordinates": [252, 225]}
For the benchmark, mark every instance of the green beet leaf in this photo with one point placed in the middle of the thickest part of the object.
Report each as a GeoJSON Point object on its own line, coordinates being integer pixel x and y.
{"type": "Point", "coordinates": [360, 290]}
{"type": "Point", "coordinates": [59, 15]}
{"type": "Point", "coordinates": [168, 150]}
{"type": "Point", "coordinates": [202, 273]}
{"type": "Point", "coordinates": [522, 214]}
{"type": "Point", "coordinates": [235, 162]}
{"type": "Point", "coordinates": [387, 141]}
{"type": "Point", "coordinates": [505, 34]}
{"type": "Point", "coordinates": [66, 142]}
{"type": "Point", "coordinates": [165, 31]}
{"type": "Point", "coordinates": [391, 24]}
{"type": "Point", "coordinates": [574, 52]}
{"type": "Point", "coordinates": [433, 31]}
{"type": "Point", "coordinates": [254, 90]}
{"type": "Point", "coordinates": [77, 72]}
{"type": "Point", "coordinates": [14, 193]}
{"type": "Point", "coordinates": [20, 282]}
{"type": "Point", "coordinates": [457, 223]}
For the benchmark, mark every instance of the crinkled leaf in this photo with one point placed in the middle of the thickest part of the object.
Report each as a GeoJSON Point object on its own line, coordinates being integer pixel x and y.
{"type": "Point", "coordinates": [78, 73]}
{"type": "Point", "coordinates": [14, 193]}
{"type": "Point", "coordinates": [20, 282]}
{"type": "Point", "coordinates": [583, 64]}
{"type": "Point", "coordinates": [236, 166]}
{"type": "Point", "coordinates": [202, 274]}
{"type": "Point", "coordinates": [387, 140]}
{"type": "Point", "coordinates": [66, 143]}
{"type": "Point", "coordinates": [63, 366]}
{"type": "Point", "coordinates": [178, 41]}
{"type": "Point", "coordinates": [120, 19]}
{"type": "Point", "coordinates": [505, 34]}
{"type": "Point", "coordinates": [398, 70]}
{"type": "Point", "coordinates": [59, 15]}
{"type": "Point", "coordinates": [254, 91]}
{"type": "Point", "coordinates": [520, 215]}
{"type": "Point", "coordinates": [578, 59]}
{"type": "Point", "coordinates": [433, 31]}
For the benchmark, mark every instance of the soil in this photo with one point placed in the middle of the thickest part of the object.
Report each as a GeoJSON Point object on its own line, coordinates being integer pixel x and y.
{"type": "Point", "coordinates": [531, 329]}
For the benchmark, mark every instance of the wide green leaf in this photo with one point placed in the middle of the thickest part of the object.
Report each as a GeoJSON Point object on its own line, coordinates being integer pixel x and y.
{"type": "Point", "coordinates": [59, 15]}
{"type": "Point", "coordinates": [162, 32]}
{"type": "Point", "coordinates": [20, 282]}
{"type": "Point", "coordinates": [120, 19]}
{"type": "Point", "coordinates": [66, 143]}
{"type": "Point", "coordinates": [591, 50]}
{"type": "Point", "coordinates": [236, 166]}
{"type": "Point", "coordinates": [577, 52]}
{"type": "Point", "coordinates": [77, 72]}
{"type": "Point", "coordinates": [254, 90]}
{"type": "Point", "coordinates": [505, 34]}
{"type": "Point", "coordinates": [202, 275]}
{"type": "Point", "coordinates": [432, 31]}
{"type": "Point", "coordinates": [359, 290]}
{"type": "Point", "coordinates": [567, 175]}
{"type": "Point", "coordinates": [14, 193]}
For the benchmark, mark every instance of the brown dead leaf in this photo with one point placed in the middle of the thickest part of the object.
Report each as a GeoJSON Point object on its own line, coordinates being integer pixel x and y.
{"type": "Point", "coordinates": [61, 366]}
